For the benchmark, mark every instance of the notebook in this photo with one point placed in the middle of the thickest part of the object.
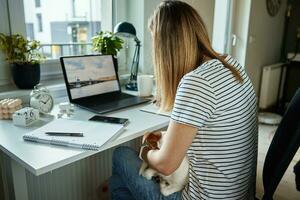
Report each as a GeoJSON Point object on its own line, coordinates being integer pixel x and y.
{"type": "Point", "coordinates": [96, 134]}
{"type": "Point", "coordinates": [152, 108]}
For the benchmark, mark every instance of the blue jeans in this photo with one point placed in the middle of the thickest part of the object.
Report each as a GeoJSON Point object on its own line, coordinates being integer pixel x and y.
{"type": "Point", "coordinates": [126, 183]}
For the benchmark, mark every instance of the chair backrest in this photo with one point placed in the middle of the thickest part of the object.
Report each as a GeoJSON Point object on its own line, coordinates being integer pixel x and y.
{"type": "Point", "coordinates": [283, 147]}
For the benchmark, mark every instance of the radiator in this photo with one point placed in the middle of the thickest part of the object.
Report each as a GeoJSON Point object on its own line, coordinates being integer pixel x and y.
{"type": "Point", "coordinates": [270, 85]}
{"type": "Point", "coordinates": [82, 180]}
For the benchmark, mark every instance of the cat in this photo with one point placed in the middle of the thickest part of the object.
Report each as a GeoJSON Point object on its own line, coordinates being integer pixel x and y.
{"type": "Point", "coordinates": [168, 184]}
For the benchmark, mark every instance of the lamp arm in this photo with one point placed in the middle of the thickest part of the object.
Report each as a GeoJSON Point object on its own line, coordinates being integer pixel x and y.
{"type": "Point", "coordinates": [135, 62]}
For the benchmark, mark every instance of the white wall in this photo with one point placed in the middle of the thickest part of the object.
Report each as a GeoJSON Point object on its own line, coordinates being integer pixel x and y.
{"type": "Point", "coordinates": [138, 13]}
{"type": "Point", "coordinates": [206, 10]}
{"type": "Point", "coordinates": [135, 15]}
{"type": "Point", "coordinates": [266, 33]}
{"type": "Point", "coordinates": [204, 7]}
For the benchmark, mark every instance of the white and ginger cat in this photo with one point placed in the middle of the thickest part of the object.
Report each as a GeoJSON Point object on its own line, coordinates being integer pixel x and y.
{"type": "Point", "coordinates": [168, 184]}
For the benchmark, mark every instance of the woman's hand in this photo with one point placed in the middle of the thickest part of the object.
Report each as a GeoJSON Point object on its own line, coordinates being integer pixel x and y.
{"type": "Point", "coordinates": [176, 142]}
{"type": "Point", "coordinates": [151, 139]}
{"type": "Point", "coordinates": [149, 142]}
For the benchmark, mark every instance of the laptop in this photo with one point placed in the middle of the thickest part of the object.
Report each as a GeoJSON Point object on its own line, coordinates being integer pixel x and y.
{"type": "Point", "coordinates": [92, 83]}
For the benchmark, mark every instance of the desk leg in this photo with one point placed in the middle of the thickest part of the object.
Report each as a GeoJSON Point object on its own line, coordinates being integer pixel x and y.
{"type": "Point", "coordinates": [19, 181]}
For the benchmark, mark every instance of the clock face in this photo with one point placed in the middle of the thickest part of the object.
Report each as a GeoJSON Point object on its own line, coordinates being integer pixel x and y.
{"type": "Point", "coordinates": [45, 103]}
{"type": "Point", "coordinates": [273, 6]}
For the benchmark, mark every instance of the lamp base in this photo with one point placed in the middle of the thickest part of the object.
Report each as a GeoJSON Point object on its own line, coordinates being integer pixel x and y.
{"type": "Point", "coordinates": [131, 86]}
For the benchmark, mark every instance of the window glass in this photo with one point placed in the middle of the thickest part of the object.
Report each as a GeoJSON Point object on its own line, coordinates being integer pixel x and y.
{"type": "Point", "coordinates": [63, 27]}
{"type": "Point", "coordinates": [37, 3]}
{"type": "Point", "coordinates": [39, 22]}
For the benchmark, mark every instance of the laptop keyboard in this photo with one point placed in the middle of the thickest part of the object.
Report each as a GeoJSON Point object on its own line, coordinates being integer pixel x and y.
{"type": "Point", "coordinates": [106, 100]}
{"type": "Point", "coordinates": [125, 96]}
{"type": "Point", "coordinates": [114, 105]}
{"type": "Point", "coordinates": [113, 102]}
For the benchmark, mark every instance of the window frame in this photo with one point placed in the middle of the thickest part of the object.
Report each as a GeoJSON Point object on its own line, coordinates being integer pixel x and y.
{"type": "Point", "coordinates": [5, 28]}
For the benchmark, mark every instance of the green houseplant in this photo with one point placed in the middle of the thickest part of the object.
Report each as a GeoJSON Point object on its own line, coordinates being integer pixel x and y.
{"type": "Point", "coordinates": [106, 43]}
{"type": "Point", "coordinates": [24, 59]}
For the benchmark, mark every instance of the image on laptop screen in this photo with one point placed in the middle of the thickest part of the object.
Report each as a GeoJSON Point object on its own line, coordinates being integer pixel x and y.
{"type": "Point", "coordinates": [90, 75]}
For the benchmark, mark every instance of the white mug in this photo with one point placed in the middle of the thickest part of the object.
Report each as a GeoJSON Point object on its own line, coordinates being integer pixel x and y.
{"type": "Point", "coordinates": [145, 85]}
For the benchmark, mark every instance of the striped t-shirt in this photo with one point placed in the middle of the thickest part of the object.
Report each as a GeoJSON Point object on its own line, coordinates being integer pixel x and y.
{"type": "Point", "coordinates": [222, 156]}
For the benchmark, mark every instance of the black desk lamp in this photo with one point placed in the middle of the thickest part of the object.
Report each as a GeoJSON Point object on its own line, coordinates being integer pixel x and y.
{"type": "Point", "coordinates": [125, 29]}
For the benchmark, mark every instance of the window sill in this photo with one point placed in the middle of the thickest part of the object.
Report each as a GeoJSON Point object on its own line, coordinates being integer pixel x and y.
{"type": "Point", "coordinates": [56, 86]}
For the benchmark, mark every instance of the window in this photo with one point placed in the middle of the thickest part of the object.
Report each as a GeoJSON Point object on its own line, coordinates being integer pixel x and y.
{"type": "Point", "coordinates": [64, 27]}
{"type": "Point", "coordinates": [60, 29]}
{"type": "Point", "coordinates": [39, 23]}
{"type": "Point", "coordinates": [37, 3]}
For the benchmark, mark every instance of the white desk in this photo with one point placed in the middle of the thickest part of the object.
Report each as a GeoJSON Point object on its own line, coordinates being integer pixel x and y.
{"type": "Point", "coordinates": [41, 158]}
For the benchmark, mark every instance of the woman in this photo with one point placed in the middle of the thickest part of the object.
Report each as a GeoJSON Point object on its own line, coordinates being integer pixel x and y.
{"type": "Point", "coordinates": [213, 121]}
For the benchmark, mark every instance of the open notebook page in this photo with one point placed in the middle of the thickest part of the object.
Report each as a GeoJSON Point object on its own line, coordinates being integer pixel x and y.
{"type": "Point", "coordinates": [95, 133]}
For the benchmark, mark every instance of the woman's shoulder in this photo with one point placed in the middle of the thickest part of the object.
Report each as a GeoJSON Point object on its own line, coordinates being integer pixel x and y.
{"type": "Point", "coordinates": [205, 70]}
{"type": "Point", "coordinates": [195, 78]}
{"type": "Point", "coordinates": [202, 72]}
{"type": "Point", "coordinates": [214, 67]}
{"type": "Point", "coordinates": [232, 61]}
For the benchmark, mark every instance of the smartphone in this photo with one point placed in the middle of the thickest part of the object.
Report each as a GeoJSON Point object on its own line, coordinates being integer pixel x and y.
{"type": "Point", "coordinates": [113, 120]}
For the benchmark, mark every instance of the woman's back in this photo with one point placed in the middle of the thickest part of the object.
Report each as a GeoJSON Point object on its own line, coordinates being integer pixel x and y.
{"type": "Point", "coordinates": [223, 153]}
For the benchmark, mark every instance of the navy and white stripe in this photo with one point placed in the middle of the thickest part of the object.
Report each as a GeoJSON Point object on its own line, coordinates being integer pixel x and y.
{"type": "Point", "coordinates": [223, 154]}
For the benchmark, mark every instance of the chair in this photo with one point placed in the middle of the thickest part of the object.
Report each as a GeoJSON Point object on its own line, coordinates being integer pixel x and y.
{"type": "Point", "coordinates": [283, 147]}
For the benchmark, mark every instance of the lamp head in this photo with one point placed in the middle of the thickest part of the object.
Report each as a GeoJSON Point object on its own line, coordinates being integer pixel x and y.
{"type": "Point", "coordinates": [125, 29]}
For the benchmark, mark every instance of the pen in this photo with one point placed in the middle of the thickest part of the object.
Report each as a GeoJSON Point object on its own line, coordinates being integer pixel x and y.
{"type": "Point", "coordinates": [65, 134]}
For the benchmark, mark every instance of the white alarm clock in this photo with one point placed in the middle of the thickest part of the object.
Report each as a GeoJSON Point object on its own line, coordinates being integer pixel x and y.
{"type": "Point", "coordinates": [41, 99]}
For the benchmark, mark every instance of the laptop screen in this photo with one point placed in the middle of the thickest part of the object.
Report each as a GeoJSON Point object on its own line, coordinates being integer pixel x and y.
{"type": "Point", "coordinates": [90, 75]}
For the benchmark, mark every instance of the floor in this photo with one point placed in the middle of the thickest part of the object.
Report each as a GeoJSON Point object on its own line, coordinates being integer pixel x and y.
{"type": "Point", "coordinates": [286, 189]}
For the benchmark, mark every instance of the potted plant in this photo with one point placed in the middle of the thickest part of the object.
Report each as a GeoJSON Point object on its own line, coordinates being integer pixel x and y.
{"type": "Point", "coordinates": [24, 59]}
{"type": "Point", "coordinates": [106, 43]}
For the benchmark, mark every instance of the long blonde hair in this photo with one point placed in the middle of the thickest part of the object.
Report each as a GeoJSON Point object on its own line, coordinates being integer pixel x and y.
{"type": "Point", "coordinates": [180, 44]}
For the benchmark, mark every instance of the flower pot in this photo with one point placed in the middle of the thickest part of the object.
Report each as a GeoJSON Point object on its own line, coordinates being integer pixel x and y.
{"type": "Point", "coordinates": [115, 60]}
{"type": "Point", "coordinates": [26, 76]}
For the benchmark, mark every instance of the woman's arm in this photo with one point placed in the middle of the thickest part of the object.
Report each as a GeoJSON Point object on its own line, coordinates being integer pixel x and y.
{"type": "Point", "coordinates": [175, 144]}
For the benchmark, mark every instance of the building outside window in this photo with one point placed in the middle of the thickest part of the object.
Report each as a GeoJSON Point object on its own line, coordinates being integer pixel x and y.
{"type": "Point", "coordinates": [39, 22]}
{"type": "Point", "coordinates": [63, 27]}
{"type": "Point", "coordinates": [37, 3]}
